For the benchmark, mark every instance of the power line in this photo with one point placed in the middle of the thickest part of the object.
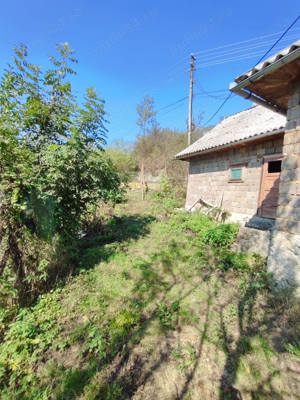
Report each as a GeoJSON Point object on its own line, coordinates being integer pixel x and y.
{"type": "Point", "coordinates": [232, 59]}
{"type": "Point", "coordinates": [220, 107]}
{"type": "Point", "coordinates": [208, 94]}
{"type": "Point", "coordinates": [267, 52]}
{"type": "Point", "coordinates": [244, 55]}
{"type": "Point", "coordinates": [172, 104]}
{"type": "Point", "coordinates": [238, 54]}
{"type": "Point", "coordinates": [241, 50]}
{"type": "Point", "coordinates": [205, 51]}
{"type": "Point", "coordinates": [213, 57]}
{"type": "Point", "coordinates": [172, 109]}
{"type": "Point", "coordinates": [278, 40]}
{"type": "Point", "coordinates": [235, 48]}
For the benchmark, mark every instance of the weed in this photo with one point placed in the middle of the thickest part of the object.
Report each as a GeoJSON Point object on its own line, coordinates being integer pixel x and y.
{"type": "Point", "coordinates": [166, 314]}
{"type": "Point", "coordinates": [244, 345]}
{"type": "Point", "coordinates": [233, 260]}
{"type": "Point", "coordinates": [95, 343]}
{"type": "Point", "coordinates": [188, 316]}
{"type": "Point", "coordinates": [186, 356]}
{"type": "Point", "coordinates": [293, 348]}
{"type": "Point", "coordinates": [121, 325]}
{"type": "Point", "coordinates": [112, 391]}
{"type": "Point", "coordinates": [221, 235]}
{"type": "Point", "coordinates": [265, 346]}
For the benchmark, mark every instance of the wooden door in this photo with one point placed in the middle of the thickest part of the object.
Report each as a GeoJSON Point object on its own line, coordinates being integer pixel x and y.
{"type": "Point", "coordinates": [269, 190]}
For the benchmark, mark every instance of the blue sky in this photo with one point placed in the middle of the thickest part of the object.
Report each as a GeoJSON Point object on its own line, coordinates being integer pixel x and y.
{"type": "Point", "coordinates": [127, 49]}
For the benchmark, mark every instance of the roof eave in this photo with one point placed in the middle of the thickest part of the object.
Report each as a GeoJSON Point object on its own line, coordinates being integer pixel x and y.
{"type": "Point", "coordinates": [293, 55]}
{"type": "Point", "coordinates": [186, 157]}
{"type": "Point", "coordinates": [240, 87]}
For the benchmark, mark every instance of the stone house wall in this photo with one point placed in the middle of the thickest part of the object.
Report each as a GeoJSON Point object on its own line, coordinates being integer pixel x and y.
{"type": "Point", "coordinates": [209, 177]}
{"type": "Point", "coordinates": [284, 255]}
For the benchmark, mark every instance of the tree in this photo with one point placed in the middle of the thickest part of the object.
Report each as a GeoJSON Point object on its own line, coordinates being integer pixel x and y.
{"type": "Point", "coordinates": [123, 161]}
{"type": "Point", "coordinates": [159, 148]}
{"type": "Point", "coordinates": [52, 166]}
{"type": "Point", "coordinates": [146, 115]}
{"type": "Point", "coordinates": [146, 121]}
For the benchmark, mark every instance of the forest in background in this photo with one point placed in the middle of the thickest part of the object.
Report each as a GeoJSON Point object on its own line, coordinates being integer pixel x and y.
{"type": "Point", "coordinates": [152, 154]}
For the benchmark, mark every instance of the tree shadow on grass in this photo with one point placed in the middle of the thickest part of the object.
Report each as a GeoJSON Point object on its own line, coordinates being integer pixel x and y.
{"type": "Point", "coordinates": [250, 325]}
{"type": "Point", "coordinates": [91, 249]}
{"type": "Point", "coordinates": [123, 369]}
{"type": "Point", "coordinates": [120, 229]}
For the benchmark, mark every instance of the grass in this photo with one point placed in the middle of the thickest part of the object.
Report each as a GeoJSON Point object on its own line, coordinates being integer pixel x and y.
{"type": "Point", "coordinates": [161, 308]}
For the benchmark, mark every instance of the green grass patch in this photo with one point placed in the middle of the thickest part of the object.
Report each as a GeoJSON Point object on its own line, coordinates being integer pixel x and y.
{"type": "Point", "coordinates": [152, 295]}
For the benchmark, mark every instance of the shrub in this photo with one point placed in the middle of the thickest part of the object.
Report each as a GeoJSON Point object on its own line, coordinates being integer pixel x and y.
{"type": "Point", "coordinates": [52, 169]}
{"type": "Point", "coordinates": [233, 260]}
{"type": "Point", "coordinates": [198, 223]}
{"type": "Point", "coordinates": [221, 235]}
{"type": "Point", "coordinates": [166, 200]}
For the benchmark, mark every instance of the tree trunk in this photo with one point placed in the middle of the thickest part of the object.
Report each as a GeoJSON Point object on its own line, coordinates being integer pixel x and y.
{"type": "Point", "coordinates": [142, 179]}
{"type": "Point", "coordinates": [17, 264]}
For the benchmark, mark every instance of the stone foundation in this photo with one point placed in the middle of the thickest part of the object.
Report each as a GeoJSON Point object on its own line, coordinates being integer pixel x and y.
{"type": "Point", "coordinates": [251, 240]}
{"type": "Point", "coordinates": [284, 259]}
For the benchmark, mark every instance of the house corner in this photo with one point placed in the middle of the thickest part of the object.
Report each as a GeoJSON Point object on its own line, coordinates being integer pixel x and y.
{"type": "Point", "coordinates": [284, 253]}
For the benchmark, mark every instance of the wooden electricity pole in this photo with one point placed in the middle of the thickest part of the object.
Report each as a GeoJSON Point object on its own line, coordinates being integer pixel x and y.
{"type": "Point", "coordinates": [190, 115]}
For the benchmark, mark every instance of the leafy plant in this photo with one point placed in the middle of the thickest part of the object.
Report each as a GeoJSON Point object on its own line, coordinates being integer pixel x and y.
{"type": "Point", "coordinates": [166, 313]}
{"type": "Point", "coordinates": [233, 260]}
{"type": "Point", "coordinates": [293, 348]}
{"type": "Point", "coordinates": [221, 235]}
{"type": "Point", "coordinates": [166, 199]}
{"type": "Point", "coordinates": [52, 170]}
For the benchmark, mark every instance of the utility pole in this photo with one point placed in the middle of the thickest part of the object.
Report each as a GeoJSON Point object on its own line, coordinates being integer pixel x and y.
{"type": "Point", "coordinates": [190, 115]}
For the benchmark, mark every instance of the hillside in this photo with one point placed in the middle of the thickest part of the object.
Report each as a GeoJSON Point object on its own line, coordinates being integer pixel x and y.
{"type": "Point", "coordinates": [160, 309]}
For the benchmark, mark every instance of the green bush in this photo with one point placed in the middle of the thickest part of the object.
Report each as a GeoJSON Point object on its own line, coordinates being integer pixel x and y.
{"type": "Point", "coordinates": [198, 223]}
{"type": "Point", "coordinates": [233, 260]}
{"type": "Point", "coordinates": [166, 199]}
{"type": "Point", "coordinates": [52, 167]}
{"type": "Point", "coordinates": [221, 235]}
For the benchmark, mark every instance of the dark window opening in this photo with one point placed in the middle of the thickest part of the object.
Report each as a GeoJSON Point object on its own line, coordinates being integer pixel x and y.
{"type": "Point", "coordinates": [274, 166]}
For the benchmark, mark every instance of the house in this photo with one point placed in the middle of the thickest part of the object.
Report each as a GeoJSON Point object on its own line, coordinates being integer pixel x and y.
{"type": "Point", "coordinates": [236, 165]}
{"type": "Point", "coordinates": [264, 142]}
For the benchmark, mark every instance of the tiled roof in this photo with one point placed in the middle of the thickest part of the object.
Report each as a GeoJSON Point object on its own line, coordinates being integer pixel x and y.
{"type": "Point", "coordinates": [293, 48]}
{"type": "Point", "coordinates": [253, 122]}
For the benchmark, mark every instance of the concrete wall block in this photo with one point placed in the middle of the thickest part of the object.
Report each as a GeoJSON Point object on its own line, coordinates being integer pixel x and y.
{"type": "Point", "coordinates": [291, 161]}
{"type": "Point", "coordinates": [284, 254]}
{"type": "Point", "coordinates": [287, 225]}
{"type": "Point", "coordinates": [294, 100]}
{"type": "Point", "coordinates": [293, 112]}
{"type": "Point", "coordinates": [291, 137]}
{"type": "Point", "coordinates": [288, 175]}
{"type": "Point", "coordinates": [292, 187]}
{"type": "Point", "coordinates": [293, 148]}
{"type": "Point", "coordinates": [288, 199]}
{"type": "Point", "coordinates": [283, 260]}
{"type": "Point", "coordinates": [288, 212]}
